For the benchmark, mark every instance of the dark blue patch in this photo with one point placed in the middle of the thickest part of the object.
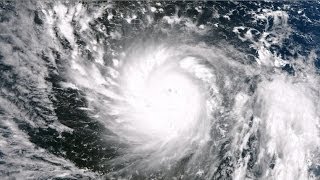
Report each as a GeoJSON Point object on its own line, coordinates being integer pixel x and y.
{"type": "Point", "coordinates": [289, 69]}
{"type": "Point", "coordinates": [317, 63]}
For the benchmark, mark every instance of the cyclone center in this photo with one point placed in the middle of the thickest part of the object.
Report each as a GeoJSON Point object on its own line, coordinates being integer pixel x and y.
{"type": "Point", "coordinates": [172, 105]}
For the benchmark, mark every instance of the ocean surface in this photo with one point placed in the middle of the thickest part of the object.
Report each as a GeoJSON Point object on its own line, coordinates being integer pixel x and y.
{"type": "Point", "coordinates": [160, 90]}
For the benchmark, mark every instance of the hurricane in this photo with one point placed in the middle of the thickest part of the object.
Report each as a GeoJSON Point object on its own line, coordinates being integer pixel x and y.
{"type": "Point", "coordinates": [159, 90]}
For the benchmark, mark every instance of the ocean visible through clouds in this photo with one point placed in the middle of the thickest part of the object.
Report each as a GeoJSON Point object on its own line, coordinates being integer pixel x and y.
{"type": "Point", "coordinates": [194, 90]}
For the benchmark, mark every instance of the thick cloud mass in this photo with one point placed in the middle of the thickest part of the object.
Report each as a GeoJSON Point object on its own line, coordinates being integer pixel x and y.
{"type": "Point", "coordinates": [159, 90]}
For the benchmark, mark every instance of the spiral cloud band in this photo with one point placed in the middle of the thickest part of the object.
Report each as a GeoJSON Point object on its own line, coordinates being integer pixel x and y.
{"type": "Point", "coordinates": [159, 90]}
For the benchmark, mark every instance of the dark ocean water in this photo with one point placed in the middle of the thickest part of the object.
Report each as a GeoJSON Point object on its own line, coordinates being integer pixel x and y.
{"type": "Point", "coordinates": [58, 115]}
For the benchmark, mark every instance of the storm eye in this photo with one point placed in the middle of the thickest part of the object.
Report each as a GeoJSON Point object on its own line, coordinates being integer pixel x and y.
{"type": "Point", "coordinates": [167, 105]}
